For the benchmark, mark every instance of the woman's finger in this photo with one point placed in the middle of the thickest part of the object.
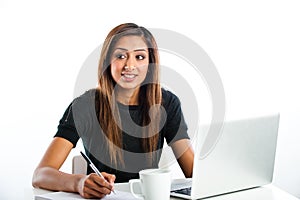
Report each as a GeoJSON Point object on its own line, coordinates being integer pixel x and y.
{"type": "Point", "coordinates": [100, 184]}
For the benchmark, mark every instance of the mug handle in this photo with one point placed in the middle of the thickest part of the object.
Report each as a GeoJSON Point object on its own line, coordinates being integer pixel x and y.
{"type": "Point", "coordinates": [131, 184]}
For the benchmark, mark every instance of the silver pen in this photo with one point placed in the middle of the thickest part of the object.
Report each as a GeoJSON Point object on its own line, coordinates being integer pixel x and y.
{"type": "Point", "coordinates": [94, 168]}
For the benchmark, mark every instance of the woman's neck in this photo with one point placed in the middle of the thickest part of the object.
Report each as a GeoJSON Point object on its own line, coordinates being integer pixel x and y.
{"type": "Point", "coordinates": [127, 96]}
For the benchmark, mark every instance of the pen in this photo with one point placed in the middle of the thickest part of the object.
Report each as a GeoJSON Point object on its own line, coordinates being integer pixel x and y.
{"type": "Point", "coordinates": [93, 167]}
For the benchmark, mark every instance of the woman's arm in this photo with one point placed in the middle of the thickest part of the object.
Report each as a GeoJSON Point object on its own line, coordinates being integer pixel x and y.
{"type": "Point", "coordinates": [184, 154]}
{"type": "Point", "coordinates": [48, 176]}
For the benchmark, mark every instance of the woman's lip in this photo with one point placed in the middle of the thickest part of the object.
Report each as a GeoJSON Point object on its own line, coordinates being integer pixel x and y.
{"type": "Point", "coordinates": [129, 77]}
{"type": "Point", "coordinates": [128, 74]}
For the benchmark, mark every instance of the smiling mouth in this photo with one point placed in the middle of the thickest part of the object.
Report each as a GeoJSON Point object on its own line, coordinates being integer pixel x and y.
{"type": "Point", "coordinates": [130, 76]}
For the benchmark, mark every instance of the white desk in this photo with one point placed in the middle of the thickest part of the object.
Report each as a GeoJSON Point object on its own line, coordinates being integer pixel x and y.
{"type": "Point", "coordinates": [269, 192]}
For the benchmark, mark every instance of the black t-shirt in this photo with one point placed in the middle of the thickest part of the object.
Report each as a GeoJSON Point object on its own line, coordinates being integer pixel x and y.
{"type": "Point", "coordinates": [81, 119]}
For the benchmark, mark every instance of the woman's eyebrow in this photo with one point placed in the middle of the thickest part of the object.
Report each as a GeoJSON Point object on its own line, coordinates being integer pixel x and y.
{"type": "Point", "coordinates": [140, 50]}
{"type": "Point", "coordinates": [124, 49]}
{"type": "Point", "coordinates": [120, 48]}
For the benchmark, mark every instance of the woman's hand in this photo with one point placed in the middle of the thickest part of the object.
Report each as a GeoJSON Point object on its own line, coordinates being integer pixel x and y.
{"type": "Point", "coordinates": [94, 186]}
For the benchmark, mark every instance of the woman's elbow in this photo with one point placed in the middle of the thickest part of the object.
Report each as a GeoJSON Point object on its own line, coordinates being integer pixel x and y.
{"type": "Point", "coordinates": [37, 177]}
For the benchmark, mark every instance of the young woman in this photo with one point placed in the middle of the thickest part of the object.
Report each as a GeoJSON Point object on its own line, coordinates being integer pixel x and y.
{"type": "Point", "coordinates": [122, 123]}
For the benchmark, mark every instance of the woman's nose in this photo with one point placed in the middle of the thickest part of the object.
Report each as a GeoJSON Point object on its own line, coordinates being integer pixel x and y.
{"type": "Point", "coordinates": [130, 64]}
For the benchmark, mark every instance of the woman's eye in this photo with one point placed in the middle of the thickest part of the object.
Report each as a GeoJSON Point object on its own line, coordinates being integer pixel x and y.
{"type": "Point", "coordinates": [140, 57]}
{"type": "Point", "coordinates": [120, 56]}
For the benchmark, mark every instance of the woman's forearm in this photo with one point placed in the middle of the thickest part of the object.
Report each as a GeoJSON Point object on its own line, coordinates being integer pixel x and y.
{"type": "Point", "coordinates": [53, 179]}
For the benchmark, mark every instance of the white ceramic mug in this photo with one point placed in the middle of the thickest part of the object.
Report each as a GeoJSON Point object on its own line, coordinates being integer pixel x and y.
{"type": "Point", "coordinates": [154, 184]}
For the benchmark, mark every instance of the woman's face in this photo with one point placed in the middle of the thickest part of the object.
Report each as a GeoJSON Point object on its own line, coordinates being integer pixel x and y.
{"type": "Point", "coordinates": [129, 62]}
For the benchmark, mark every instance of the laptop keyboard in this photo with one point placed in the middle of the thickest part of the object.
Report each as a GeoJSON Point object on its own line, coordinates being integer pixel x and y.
{"type": "Point", "coordinates": [186, 191]}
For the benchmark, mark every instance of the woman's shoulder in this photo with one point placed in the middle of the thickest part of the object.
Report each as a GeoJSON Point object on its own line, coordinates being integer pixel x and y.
{"type": "Point", "coordinates": [169, 98]}
{"type": "Point", "coordinates": [86, 97]}
{"type": "Point", "coordinates": [87, 94]}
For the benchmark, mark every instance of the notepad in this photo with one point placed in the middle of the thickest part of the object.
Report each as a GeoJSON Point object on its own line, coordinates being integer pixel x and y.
{"type": "Point", "coordinates": [68, 196]}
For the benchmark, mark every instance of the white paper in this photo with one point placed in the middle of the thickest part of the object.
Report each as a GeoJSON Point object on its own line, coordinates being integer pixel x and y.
{"type": "Point", "coordinates": [68, 195]}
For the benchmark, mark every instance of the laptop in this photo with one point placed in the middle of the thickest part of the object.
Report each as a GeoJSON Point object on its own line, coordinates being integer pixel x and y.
{"type": "Point", "coordinates": [242, 157]}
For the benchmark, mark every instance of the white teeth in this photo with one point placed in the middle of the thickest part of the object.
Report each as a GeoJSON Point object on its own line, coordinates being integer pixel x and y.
{"type": "Point", "coordinates": [129, 75]}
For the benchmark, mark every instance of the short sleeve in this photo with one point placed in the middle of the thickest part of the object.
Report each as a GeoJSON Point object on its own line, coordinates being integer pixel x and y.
{"type": "Point", "coordinates": [66, 128]}
{"type": "Point", "coordinates": [175, 128]}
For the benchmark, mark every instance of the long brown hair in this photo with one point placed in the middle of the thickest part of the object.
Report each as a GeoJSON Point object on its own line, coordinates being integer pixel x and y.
{"type": "Point", "coordinates": [149, 94]}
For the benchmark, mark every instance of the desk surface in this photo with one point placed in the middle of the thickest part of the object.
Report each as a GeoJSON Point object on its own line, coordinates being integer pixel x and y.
{"type": "Point", "coordinates": [269, 192]}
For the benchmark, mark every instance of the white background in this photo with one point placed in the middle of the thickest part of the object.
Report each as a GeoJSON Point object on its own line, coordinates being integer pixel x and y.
{"type": "Point", "coordinates": [255, 46]}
